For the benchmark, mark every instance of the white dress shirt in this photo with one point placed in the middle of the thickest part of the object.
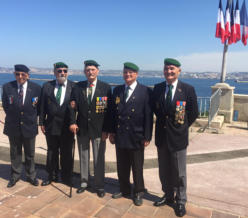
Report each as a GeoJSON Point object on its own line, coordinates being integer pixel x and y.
{"type": "Point", "coordinates": [173, 89]}
{"type": "Point", "coordinates": [93, 88]}
{"type": "Point", "coordinates": [62, 98]}
{"type": "Point", "coordinates": [25, 86]}
{"type": "Point", "coordinates": [131, 89]}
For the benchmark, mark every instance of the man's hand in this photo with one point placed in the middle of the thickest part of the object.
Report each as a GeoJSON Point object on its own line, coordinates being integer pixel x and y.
{"type": "Point", "coordinates": [146, 143]}
{"type": "Point", "coordinates": [73, 128]}
{"type": "Point", "coordinates": [43, 129]}
{"type": "Point", "coordinates": [104, 136]}
{"type": "Point", "coordinates": [112, 138]}
{"type": "Point", "coordinates": [73, 104]}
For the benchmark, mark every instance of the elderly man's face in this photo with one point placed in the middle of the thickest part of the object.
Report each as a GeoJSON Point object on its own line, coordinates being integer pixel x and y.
{"type": "Point", "coordinates": [91, 72]}
{"type": "Point", "coordinates": [61, 74]}
{"type": "Point", "coordinates": [21, 77]}
{"type": "Point", "coordinates": [129, 76]}
{"type": "Point", "coordinates": [171, 73]}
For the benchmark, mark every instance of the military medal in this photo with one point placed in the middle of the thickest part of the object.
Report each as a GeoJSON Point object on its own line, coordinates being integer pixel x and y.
{"type": "Point", "coordinates": [117, 100]}
{"type": "Point", "coordinates": [34, 101]}
{"type": "Point", "coordinates": [97, 104]}
{"type": "Point", "coordinates": [180, 112]}
{"type": "Point", "coordinates": [11, 99]}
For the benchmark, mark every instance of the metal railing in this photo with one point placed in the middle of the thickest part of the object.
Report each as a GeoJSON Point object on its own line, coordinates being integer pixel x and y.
{"type": "Point", "coordinates": [203, 106]}
{"type": "Point", "coordinates": [214, 105]}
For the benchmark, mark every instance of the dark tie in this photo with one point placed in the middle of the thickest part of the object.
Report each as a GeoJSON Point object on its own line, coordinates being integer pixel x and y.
{"type": "Point", "coordinates": [168, 97]}
{"type": "Point", "coordinates": [126, 93]}
{"type": "Point", "coordinates": [58, 95]}
{"type": "Point", "coordinates": [90, 90]}
{"type": "Point", "coordinates": [21, 95]}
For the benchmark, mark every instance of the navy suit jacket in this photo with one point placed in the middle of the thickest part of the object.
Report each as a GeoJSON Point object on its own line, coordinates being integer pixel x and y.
{"type": "Point", "coordinates": [21, 120]}
{"type": "Point", "coordinates": [168, 132]}
{"type": "Point", "coordinates": [90, 121]}
{"type": "Point", "coordinates": [132, 120]}
{"type": "Point", "coordinates": [54, 117]}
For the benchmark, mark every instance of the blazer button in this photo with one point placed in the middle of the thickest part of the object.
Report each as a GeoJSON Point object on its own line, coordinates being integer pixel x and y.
{"type": "Point", "coordinates": [166, 117]}
{"type": "Point", "coordinates": [127, 128]}
{"type": "Point", "coordinates": [164, 127]}
{"type": "Point", "coordinates": [119, 117]}
{"type": "Point", "coordinates": [21, 123]}
{"type": "Point", "coordinates": [118, 126]}
{"type": "Point", "coordinates": [89, 112]}
{"type": "Point", "coordinates": [132, 110]}
{"type": "Point", "coordinates": [128, 118]}
{"type": "Point", "coordinates": [22, 113]}
{"type": "Point", "coordinates": [89, 119]}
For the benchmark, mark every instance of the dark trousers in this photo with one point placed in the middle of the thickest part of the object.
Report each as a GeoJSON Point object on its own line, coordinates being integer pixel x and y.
{"type": "Point", "coordinates": [59, 144]}
{"type": "Point", "coordinates": [172, 173]}
{"type": "Point", "coordinates": [16, 143]}
{"type": "Point", "coordinates": [127, 159]}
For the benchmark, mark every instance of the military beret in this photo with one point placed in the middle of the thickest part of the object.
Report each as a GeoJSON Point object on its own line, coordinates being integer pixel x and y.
{"type": "Point", "coordinates": [131, 66]}
{"type": "Point", "coordinates": [21, 68]}
{"type": "Point", "coordinates": [60, 65]}
{"type": "Point", "coordinates": [171, 61]}
{"type": "Point", "coordinates": [91, 63]}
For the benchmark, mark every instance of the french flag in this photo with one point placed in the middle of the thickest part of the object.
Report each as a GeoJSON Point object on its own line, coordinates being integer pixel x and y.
{"type": "Point", "coordinates": [244, 22]}
{"type": "Point", "coordinates": [237, 22]}
{"type": "Point", "coordinates": [228, 20]}
{"type": "Point", "coordinates": [220, 26]}
{"type": "Point", "coordinates": [232, 38]}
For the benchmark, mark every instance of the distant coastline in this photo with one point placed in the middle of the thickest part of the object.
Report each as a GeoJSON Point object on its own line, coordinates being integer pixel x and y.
{"type": "Point", "coordinates": [239, 76]}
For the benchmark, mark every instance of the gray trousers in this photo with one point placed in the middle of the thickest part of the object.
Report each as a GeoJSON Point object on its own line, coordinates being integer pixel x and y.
{"type": "Point", "coordinates": [98, 147]}
{"type": "Point", "coordinates": [16, 143]}
{"type": "Point", "coordinates": [172, 173]}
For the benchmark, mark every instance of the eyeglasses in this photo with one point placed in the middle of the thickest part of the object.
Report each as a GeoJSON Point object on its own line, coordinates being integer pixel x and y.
{"type": "Point", "coordinates": [20, 74]}
{"type": "Point", "coordinates": [60, 71]}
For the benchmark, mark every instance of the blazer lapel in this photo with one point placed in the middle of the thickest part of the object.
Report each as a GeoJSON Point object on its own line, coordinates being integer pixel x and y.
{"type": "Point", "coordinates": [178, 93]}
{"type": "Point", "coordinates": [67, 92]}
{"type": "Point", "coordinates": [28, 95]}
{"type": "Point", "coordinates": [162, 96]}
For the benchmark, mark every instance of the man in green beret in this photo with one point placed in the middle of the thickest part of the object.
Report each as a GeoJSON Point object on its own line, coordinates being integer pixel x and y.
{"type": "Point", "coordinates": [175, 106]}
{"type": "Point", "coordinates": [91, 100]}
{"type": "Point", "coordinates": [132, 131]}
{"type": "Point", "coordinates": [54, 123]}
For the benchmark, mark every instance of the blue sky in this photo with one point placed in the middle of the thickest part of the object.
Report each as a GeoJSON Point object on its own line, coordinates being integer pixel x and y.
{"type": "Point", "coordinates": [39, 33]}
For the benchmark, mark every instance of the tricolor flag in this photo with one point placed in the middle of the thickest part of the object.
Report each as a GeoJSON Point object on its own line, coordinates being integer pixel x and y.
{"type": "Point", "coordinates": [220, 26]}
{"type": "Point", "coordinates": [232, 38]}
{"type": "Point", "coordinates": [244, 22]}
{"type": "Point", "coordinates": [228, 20]}
{"type": "Point", "coordinates": [237, 21]}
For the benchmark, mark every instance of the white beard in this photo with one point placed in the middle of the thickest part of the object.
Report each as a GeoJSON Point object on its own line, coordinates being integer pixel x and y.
{"type": "Point", "coordinates": [61, 80]}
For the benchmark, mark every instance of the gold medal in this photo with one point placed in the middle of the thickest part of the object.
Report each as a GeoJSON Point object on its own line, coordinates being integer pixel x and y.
{"type": "Point", "coordinates": [117, 100]}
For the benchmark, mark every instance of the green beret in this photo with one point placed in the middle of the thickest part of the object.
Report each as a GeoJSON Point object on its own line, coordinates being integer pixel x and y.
{"type": "Point", "coordinates": [60, 65]}
{"type": "Point", "coordinates": [91, 63]}
{"type": "Point", "coordinates": [131, 66]}
{"type": "Point", "coordinates": [171, 61]}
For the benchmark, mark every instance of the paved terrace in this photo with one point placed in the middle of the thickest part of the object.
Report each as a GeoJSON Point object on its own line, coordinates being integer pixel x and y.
{"type": "Point", "coordinates": [217, 182]}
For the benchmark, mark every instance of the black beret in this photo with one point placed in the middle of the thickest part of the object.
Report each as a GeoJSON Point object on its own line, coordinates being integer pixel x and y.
{"type": "Point", "coordinates": [91, 63]}
{"type": "Point", "coordinates": [21, 68]}
{"type": "Point", "coordinates": [171, 61]}
{"type": "Point", "coordinates": [60, 65]}
{"type": "Point", "coordinates": [131, 66]}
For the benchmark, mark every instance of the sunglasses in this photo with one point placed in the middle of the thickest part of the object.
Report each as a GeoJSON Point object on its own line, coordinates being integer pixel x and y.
{"type": "Point", "coordinates": [20, 74]}
{"type": "Point", "coordinates": [60, 71]}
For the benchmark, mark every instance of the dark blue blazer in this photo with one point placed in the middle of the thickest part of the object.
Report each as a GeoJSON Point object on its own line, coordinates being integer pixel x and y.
{"type": "Point", "coordinates": [21, 120]}
{"type": "Point", "coordinates": [54, 117]}
{"type": "Point", "coordinates": [132, 120]}
{"type": "Point", "coordinates": [168, 132]}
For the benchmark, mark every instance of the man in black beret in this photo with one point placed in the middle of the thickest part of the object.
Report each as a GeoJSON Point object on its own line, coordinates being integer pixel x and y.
{"type": "Point", "coordinates": [175, 106]}
{"type": "Point", "coordinates": [132, 131]}
{"type": "Point", "coordinates": [92, 99]}
{"type": "Point", "coordinates": [54, 123]}
{"type": "Point", "coordinates": [20, 101]}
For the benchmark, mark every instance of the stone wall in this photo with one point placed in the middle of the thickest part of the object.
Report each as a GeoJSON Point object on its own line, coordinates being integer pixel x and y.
{"type": "Point", "coordinates": [241, 105]}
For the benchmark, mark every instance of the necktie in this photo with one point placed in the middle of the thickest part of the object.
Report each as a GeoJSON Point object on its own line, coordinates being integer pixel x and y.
{"type": "Point", "coordinates": [90, 90]}
{"type": "Point", "coordinates": [169, 97]}
{"type": "Point", "coordinates": [58, 95]}
{"type": "Point", "coordinates": [20, 95]}
{"type": "Point", "coordinates": [126, 93]}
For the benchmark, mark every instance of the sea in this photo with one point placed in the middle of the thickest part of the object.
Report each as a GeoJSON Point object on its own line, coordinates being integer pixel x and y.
{"type": "Point", "coordinates": [202, 86]}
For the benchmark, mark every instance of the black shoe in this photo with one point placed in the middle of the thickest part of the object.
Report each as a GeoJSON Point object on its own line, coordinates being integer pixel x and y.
{"type": "Point", "coordinates": [46, 182]}
{"type": "Point", "coordinates": [138, 199]}
{"type": "Point", "coordinates": [81, 190]}
{"type": "Point", "coordinates": [34, 181]}
{"type": "Point", "coordinates": [100, 193]}
{"type": "Point", "coordinates": [180, 210]}
{"type": "Point", "coordinates": [55, 178]}
{"type": "Point", "coordinates": [12, 182]}
{"type": "Point", "coordinates": [164, 201]}
{"type": "Point", "coordinates": [119, 195]}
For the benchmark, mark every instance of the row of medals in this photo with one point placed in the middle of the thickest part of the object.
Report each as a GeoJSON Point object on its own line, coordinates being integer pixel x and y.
{"type": "Point", "coordinates": [101, 104]}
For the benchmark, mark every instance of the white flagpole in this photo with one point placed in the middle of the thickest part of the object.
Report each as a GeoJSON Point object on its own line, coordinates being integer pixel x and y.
{"type": "Point", "coordinates": [223, 70]}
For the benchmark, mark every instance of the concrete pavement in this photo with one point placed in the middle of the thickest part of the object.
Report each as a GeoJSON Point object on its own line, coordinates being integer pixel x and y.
{"type": "Point", "coordinates": [217, 182]}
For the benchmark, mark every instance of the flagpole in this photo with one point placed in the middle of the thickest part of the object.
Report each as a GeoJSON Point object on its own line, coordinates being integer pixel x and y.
{"type": "Point", "coordinates": [223, 70]}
